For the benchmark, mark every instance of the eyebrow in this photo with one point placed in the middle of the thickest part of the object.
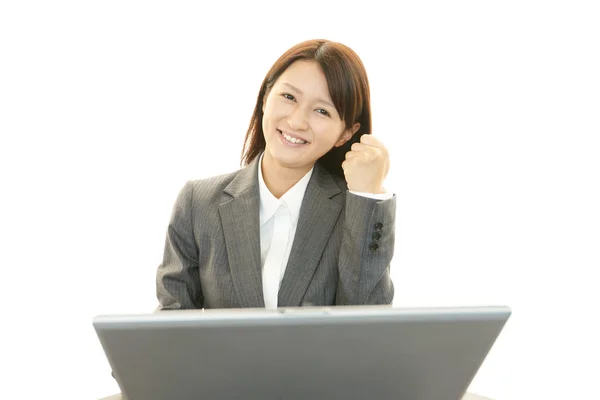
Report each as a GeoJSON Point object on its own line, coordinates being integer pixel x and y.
{"type": "Point", "coordinates": [300, 91]}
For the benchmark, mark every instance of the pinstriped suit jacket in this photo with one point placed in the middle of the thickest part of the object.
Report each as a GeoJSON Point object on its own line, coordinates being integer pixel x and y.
{"type": "Point", "coordinates": [341, 253]}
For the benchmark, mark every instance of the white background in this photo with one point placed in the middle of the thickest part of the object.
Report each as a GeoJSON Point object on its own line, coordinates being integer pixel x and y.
{"type": "Point", "coordinates": [490, 111]}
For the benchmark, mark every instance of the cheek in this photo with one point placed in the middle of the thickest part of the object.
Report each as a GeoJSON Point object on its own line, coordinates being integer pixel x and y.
{"type": "Point", "coordinates": [273, 111]}
{"type": "Point", "coordinates": [326, 132]}
{"type": "Point", "coordinates": [268, 115]}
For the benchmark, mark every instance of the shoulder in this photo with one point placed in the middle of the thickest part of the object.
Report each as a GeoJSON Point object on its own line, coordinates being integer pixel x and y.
{"type": "Point", "coordinates": [198, 200]}
{"type": "Point", "coordinates": [341, 182]}
{"type": "Point", "coordinates": [213, 183]}
{"type": "Point", "coordinates": [210, 188]}
{"type": "Point", "coordinates": [329, 179]}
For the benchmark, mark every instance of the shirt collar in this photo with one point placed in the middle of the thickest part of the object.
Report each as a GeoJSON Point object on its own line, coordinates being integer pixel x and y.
{"type": "Point", "coordinates": [292, 199]}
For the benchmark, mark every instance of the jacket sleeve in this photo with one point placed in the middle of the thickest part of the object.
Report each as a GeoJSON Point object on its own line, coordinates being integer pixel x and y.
{"type": "Point", "coordinates": [366, 251]}
{"type": "Point", "coordinates": [177, 279]}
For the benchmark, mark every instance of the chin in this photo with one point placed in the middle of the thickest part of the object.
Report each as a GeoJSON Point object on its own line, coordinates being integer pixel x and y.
{"type": "Point", "coordinates": [289, 159]}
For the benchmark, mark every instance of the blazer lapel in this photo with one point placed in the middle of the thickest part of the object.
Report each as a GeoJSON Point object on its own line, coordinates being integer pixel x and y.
{"type": "Point", "coordinates": [318, 215]}
{"type": "Point", "coordinates": [240, 220]}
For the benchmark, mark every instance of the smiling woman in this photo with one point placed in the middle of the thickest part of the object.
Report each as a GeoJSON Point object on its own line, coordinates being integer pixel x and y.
{"type": "Point", "coordinates": [306, 220]}
{"type": "Point", "coordinates": [300, 124]}
{"type": "Point", "coordinates": [320, 77]}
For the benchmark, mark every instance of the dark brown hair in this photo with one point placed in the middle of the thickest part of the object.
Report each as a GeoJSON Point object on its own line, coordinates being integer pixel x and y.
{"type": "Point", "coordinates": [348, 87]}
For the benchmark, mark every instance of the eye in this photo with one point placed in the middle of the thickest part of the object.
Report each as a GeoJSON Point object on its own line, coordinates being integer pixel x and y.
{"type": "Point", "coordinates": [323, 112]}
{"type": "Point", "coordinates": [288, 96]}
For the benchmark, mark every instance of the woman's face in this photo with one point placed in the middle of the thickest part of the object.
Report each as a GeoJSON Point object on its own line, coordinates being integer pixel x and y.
{"type": "Point", "coordinates": [300, 122]}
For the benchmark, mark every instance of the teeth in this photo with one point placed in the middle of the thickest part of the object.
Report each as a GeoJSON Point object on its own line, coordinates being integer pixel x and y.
{"type": "Point", "coordinates": [293, 140]}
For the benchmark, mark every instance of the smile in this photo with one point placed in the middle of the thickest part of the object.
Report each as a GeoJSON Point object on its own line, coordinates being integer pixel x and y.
{"type": "Point", "coordinates": [290, 139]}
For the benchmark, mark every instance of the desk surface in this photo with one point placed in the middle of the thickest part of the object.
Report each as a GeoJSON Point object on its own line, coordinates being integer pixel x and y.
{"type": "Point", "coordinates": [468, 396]}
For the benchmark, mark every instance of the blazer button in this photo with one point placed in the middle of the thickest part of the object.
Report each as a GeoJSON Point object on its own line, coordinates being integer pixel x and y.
{"type": "Point", "coordinates": [374, 246]}
{"type": "Point", "coordinates": [379, 227]}
{"type": "Point", "coordinates": [376, 236]}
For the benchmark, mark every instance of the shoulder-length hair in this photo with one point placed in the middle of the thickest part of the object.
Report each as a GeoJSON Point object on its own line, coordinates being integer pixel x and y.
{"type": "Point", "coordinates": [348, 87]}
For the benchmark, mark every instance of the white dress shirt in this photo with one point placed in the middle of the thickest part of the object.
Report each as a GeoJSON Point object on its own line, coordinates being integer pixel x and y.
{"type": "Point", "coordinates": [278, 222]}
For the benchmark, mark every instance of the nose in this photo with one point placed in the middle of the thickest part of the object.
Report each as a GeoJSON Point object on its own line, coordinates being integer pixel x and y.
{"type": "Point", "coordinates": [297, 120]}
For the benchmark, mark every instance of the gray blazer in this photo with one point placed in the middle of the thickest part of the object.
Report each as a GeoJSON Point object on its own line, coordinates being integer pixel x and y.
{"type": "Point", "coordinates": [341, 253]}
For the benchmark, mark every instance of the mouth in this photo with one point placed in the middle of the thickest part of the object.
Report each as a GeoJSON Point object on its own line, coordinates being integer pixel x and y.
{"type": "Point", "coordinates": [291, 140]}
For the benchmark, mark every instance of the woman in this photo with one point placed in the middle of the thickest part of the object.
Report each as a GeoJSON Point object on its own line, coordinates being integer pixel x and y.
{"type": "Point", "coordinates": [306, 220]}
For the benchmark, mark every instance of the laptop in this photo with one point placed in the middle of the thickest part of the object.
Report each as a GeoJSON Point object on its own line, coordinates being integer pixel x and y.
{"type": "Point", "coordinates": [341, 352]}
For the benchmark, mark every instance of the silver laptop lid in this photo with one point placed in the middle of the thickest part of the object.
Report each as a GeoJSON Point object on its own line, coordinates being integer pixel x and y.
{"type": "Point", "coordinates": [300, 353]}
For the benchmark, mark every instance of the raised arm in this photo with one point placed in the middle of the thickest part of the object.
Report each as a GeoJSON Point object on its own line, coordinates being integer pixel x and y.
{"type": "Point", "coordinates": [367, 250]}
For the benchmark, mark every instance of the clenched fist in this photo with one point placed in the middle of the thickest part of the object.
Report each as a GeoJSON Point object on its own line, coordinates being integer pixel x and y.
{"type": "Point", "coordinates": [366, 165]}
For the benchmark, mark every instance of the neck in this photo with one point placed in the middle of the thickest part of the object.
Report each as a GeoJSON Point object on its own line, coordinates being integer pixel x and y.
{"type": "Point", "coordinates": [280, 178]}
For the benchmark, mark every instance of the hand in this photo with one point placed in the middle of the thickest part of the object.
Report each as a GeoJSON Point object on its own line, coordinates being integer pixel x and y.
{"type": "Point", "coordinates": [366, 165]}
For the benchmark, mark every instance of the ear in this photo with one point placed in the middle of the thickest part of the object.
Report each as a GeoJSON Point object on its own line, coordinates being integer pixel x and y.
{"type": "Point", "coordinates": [347, 135]}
